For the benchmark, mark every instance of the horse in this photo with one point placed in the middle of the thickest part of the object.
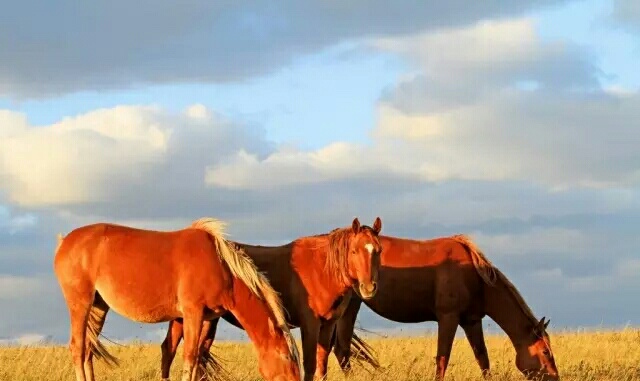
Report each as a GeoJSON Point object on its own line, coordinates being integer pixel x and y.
{"type": "Point", "coordinates": [148, 276]}
{"type": "Point", "coordinates": [314, 276]}
{"type": "Point", "coordinates": [449, 280]}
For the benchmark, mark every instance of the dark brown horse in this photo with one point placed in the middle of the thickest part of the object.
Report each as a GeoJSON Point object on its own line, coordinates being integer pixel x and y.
{"type": "Point", "coordinates": [148, 276]}
{"type": "Point", "coordinates": [449, 280]}
{"type": "Point", "coordinates": [314, 277]}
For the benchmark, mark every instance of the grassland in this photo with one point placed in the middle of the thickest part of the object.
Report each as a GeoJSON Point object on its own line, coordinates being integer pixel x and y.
{"type": "Point", "coordinates": [580, 357]}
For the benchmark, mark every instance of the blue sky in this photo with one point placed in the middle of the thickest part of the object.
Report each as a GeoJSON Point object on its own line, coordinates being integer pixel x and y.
{"type": "Point", "coordinates": [290, 120]}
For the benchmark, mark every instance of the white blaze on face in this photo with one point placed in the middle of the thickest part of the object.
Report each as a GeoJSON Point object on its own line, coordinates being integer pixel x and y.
{"type": "Point", "coordinates": [369, 248]}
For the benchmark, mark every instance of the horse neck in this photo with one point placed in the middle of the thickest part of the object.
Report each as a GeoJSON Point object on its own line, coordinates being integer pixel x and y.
{"type": "Point", "coordinates": [256, 319]}
{"type": "Point", "coordinates": [504, 309]}
{"type": "Point", "coordinates": [316, 267]}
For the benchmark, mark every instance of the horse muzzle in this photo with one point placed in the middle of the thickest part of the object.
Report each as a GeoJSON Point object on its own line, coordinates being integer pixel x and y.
{"type": "Point", "coordinates": [368, 290]}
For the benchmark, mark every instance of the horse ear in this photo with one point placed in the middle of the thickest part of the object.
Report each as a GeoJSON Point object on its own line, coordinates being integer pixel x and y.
{"type": "Point", "coordinates": [356, 225]}
{"type": "Point", "coordinates": [547, 324]}
{"type": "Point", "coordinates": [377, 225]}
{"type": "Point", "coordinates": [541, 325]}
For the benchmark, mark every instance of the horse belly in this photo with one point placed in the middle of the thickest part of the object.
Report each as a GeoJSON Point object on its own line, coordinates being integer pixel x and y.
{"type": "Point", "coordinates": [404, 296]}
{"type": "Point", "coordinates": [139, 303]}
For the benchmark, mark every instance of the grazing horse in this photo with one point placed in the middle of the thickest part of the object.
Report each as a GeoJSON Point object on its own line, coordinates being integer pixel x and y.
{"type": "Point", "coordinates": [314, 277]}
{"type": "Point", "coordinates": [149, 276]}
{"type": "Point", "coordinates": [449, 280]}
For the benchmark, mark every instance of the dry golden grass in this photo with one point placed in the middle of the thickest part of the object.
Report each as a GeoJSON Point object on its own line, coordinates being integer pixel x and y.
{"type": "Point", "coordinates": [580, 357]}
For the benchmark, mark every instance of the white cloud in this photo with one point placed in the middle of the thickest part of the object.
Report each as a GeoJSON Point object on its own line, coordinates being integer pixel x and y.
{"type": "Point", "coordinates": [466, 115]}
{"type": "Point", "coordinates": [78, 159]}
{"type": "Point", "coordinates": [93, 157]}
{"type": "Point", "coordinates": [26, 339]}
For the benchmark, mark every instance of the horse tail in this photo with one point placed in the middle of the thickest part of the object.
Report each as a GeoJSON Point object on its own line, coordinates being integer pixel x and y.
{"type": "Point", "coordinates": [94, 323]}
{"type": "Point", "coordinates": [243, 268]}
{"type": "Point", "coordinates": [483, 266]}
{"type": "Point", "coordinates": [60, 238]}
{"type": "Point", "coordinates": [362, 351]}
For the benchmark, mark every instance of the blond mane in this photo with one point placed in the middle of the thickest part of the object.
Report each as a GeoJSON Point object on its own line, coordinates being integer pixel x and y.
{"type": "Point", "coordinates": [491, 274]}
{"type": "Point", "coordinates": [243, 268]}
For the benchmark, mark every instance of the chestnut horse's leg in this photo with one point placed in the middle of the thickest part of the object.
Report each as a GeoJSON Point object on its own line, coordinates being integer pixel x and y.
{"type": "Point", "coordinates": [78, 295]}
{"type": "Point", "coordinates": [447, 326]}
{"type": "Point", "coordinates": [192, 326]}
{"type": "Point", "coordinates": [323, 348]}
{"type": "Point", "coordinates": [344, 333]}
{"type": "Point", "coordinates": [309, 332]}
{"type": "Point", "coordinates": [475, 336]}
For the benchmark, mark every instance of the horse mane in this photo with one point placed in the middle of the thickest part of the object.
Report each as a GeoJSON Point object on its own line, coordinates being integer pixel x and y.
{"type": "Point", "coordinates": [491, 274]}
{"type": "Point", "coordinates": [483, 266]}
{"type": "Point", "coordinates": [243, 268]}
{"type": "Point", "coordinates": [336, 263]}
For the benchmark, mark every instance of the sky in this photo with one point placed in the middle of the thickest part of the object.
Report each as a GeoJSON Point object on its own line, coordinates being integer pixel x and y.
{"type": "Point", "coordinates": [513, 122]}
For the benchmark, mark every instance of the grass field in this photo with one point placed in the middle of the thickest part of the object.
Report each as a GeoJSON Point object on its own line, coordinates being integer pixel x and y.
{"type": "Point", "coordinates": [580, 357]}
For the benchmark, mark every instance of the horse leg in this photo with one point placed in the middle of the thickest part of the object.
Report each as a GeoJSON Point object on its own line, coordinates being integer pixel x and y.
{"type": "Point", "coordinates": [447, 326]}
{"type": "Point", "coordinates": [323, 349]}
{"type": "Point", "coordinates": [309, 332]}
{"type": "Point", "coordinates": [79, 297]}
{"type": "Point", "coordinates": [95, 322]}
{"type": "Point", "coordinates": [343, 334]}
{"type": "Point", "coordinates": [475, 336]}
{"type": "Point", "coordinates": [202, 363]}
{"type": "Point", "coordinates": [206, 340]}
{"type": "Point", "coordinates": [169, 346]}
{"type": "Point", "coordinates": [192, 326]}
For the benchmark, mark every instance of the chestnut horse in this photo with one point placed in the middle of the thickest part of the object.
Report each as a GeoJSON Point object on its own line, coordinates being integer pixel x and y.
{"type": "Point", "coordinates": [314, 276]}
{"type": "Point", "coordinates": [151, 277]}
{"type": "Point", "coordinates": [449, 280]}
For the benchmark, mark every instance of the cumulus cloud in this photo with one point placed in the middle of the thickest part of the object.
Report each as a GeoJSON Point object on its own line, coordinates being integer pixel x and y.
{"type": "Point", "coordinates": [197, 41]}
{"type": "Point", "coordinates": [116, 153]}
{"type": "Point", "coordinates": [488, 102]}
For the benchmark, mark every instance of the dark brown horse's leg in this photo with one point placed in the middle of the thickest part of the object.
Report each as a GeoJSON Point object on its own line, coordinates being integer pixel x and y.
{"type": "Point", "coordinates": [204, 334]}
{"type": "Point", "coordinates": [210, 335]}
{"type": "Point", "coordinates": [447, 326]}
{"type": "Point", "coordinates": [310, 332]}
{"type": "Point", "coordinates": [192, 326]}
{"type": "Point", "coordinates": [475, 336]}
{"type": "Point", "coordinates": [170, 346]}
{"type": "Point", "coordinates": [344, 333]}
{"type": "Point", "coordinates": [323, 349]}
